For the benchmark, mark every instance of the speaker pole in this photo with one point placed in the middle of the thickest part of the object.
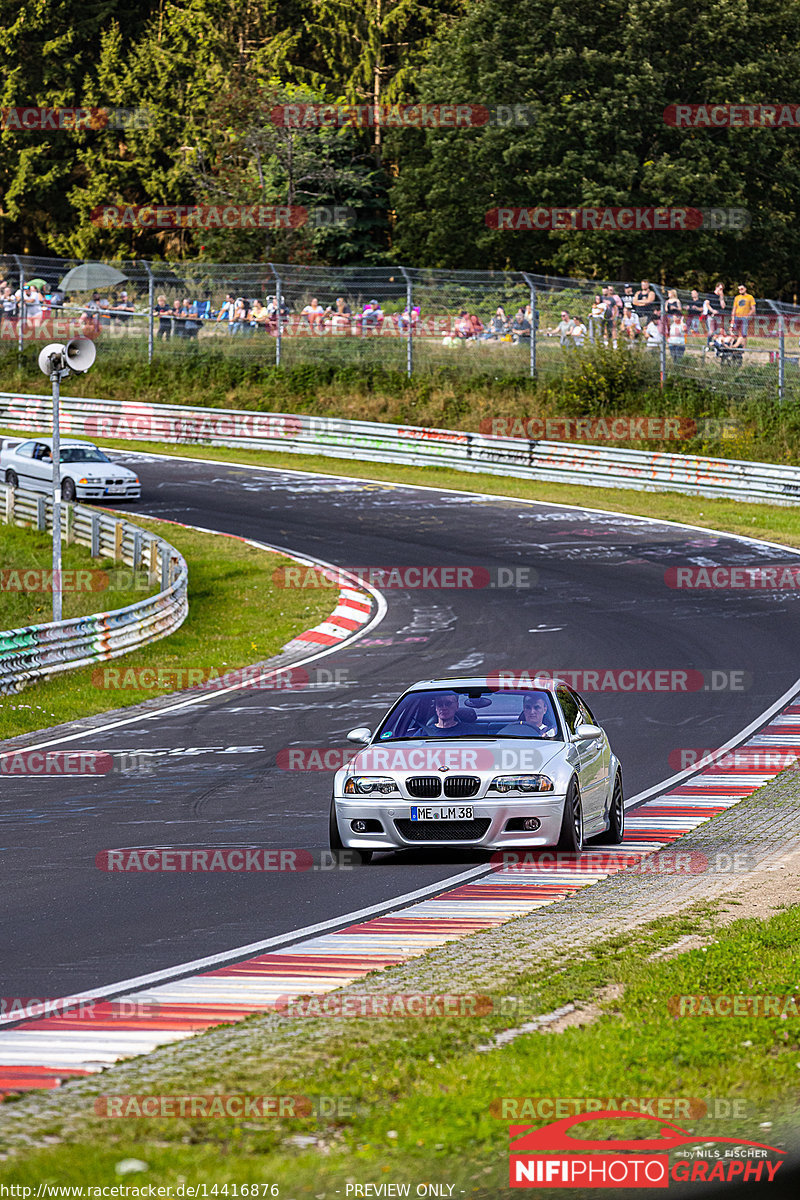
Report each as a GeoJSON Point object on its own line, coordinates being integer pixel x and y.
{"type": "Point", "coordinates": [57, 590]}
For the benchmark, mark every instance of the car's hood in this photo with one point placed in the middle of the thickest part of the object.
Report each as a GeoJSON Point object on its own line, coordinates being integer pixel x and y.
{"type": "Point", "coordinates": [95, 470]}
{"type": "Point", "coordinates": [480, 755]}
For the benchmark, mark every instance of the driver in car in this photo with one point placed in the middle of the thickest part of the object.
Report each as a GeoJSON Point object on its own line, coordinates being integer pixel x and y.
{"type": "Point", "coordinates": [446, 723]}
{"type": "Point", "coordinates": [533, 721]}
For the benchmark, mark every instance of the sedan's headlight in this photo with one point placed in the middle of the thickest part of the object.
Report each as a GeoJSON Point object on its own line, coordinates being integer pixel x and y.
{"type": "Point", "coordinates": [368, 785]}
{"type": "Point", "coordinates": [521, 783]}
{"type": "Point", "coordinates": [84, 480]}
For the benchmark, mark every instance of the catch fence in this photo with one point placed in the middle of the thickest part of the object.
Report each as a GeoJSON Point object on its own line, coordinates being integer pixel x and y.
{"type": "Point", "coordinates": [407, 319]}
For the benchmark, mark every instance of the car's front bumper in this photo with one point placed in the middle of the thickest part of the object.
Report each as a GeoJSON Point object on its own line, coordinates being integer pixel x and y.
{"type": "Point", "coordinates": [548, 808]}
{"type": "Point", "coordinates": [99, 491]}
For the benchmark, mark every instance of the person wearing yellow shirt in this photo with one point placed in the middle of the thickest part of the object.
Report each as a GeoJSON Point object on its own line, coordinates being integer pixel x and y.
{"type": "Point", "coordinates": [744, 307]}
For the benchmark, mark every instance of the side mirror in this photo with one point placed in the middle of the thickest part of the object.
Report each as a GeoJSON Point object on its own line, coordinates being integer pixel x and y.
{"type": "Point", "coordinates": [586, 732]}
{"type": "Point", "coordinates": [361, 735]}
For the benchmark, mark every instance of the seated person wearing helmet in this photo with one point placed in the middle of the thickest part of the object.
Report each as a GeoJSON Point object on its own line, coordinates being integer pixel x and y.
{"type": "Point", "coordinates": [534, 720]}
{"type": "Point", "coordinates": [447, 722]}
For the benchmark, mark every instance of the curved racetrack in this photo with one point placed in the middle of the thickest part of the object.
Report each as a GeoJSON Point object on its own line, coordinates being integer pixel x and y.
{"type": "Point", "coordinates": [596, 599]}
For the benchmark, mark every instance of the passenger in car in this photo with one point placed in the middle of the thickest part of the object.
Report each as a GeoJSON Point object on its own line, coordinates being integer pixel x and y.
{"type": "Point", "coordinates": [447, 722]}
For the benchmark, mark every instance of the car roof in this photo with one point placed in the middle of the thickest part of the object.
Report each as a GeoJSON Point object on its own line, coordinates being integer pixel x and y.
{"type": "Point", "coordinates": [48, 441]}
{"type": "Point", "coordinates": [516, 682]}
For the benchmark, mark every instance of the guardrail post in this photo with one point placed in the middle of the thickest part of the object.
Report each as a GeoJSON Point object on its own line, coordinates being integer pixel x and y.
{"type": "Point", "coordinates": [95, 547]}
{"type": "Point", "coordinates": [781, 350]}
{"type": "Point", "coordinates": [279, 327]}
{"type": "Point", "coordinates": [119, 533]}
{"type": "Point", "coordinates": [152, 570]}
{"type": "Point", "coordinates": [41, 514]}
{"type": "Point", "coordinates": [10, 498]}
{"type": "Point", "coordinates": [165, 567]}
{"type": "Point", "coordinates": [69, 523]}
{"type": "Point", "coordinates": [532, 287]}
{"type": "Point", "coordinates": [136, 553]}
{"type": "Point", "coordinates": [409, 343]}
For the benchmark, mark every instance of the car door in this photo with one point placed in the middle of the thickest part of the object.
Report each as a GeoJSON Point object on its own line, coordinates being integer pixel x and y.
{"type": "Point", "coordinates": [604, 795]}
{"type": "Point", "coordinates": [21, 462]}
{"type": "Point", "coordinates": [590, 757]}
{"type": "Point", "coordinates": [40, 466]}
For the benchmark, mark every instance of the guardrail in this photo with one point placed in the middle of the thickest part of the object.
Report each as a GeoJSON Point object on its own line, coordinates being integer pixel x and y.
{"type": "Point", "coordinates": [556, 462]}
{"type": "Point", "coordinates": [41, 650]}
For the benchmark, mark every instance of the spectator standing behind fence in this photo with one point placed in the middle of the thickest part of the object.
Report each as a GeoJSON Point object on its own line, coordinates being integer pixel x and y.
{"type": "Point", "coordinates": [744, 307]}
{"type": "Point", "coordinates": [161, 309]}
{"type": "Point", "coordinates": [676, 338]}
{"type": "Point", "coordinates": [596, 314]}
{"type": "Point", "coordinates": [612, 305]}
{"type": "Point", "coordinates": [644, 301]}
{"type": "Point", "coordinates": [227, 311]}
{"type": "Point", "coordinates": [714, 312]}
{"type": "Point", "coordinates": [563, 329]}
{"type": "Point", "coordinates": [654, 334]}
{"type": "Point", "coordinates": [578, 332]}
{"type": "Point", "coordinates": [631, 325]}
{"type": "Point", "coordinates": [694, 311]}
{"type": "Point", "coordinates": [627, 299]}
{"type": "Point", "coordinates": [673, 306]}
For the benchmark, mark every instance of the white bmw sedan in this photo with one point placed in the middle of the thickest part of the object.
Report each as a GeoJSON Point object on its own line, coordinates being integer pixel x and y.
{"type": "Point", "coordinates": [86, 472]}
{"type": "Point", "coordinates": [469, 763]}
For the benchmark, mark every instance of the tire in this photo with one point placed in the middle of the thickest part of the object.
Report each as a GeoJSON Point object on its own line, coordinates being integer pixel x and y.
{"type": "Point", "coordinates": [12, 479]}
{"type": "Point", "coordinates": [571, 836]}
{"type": "Point", "coordinates": [616, 815]}
{"type": "Point", "coordinates": [339, 851]}
{"type": "Point", "coordinates": [68, 491]}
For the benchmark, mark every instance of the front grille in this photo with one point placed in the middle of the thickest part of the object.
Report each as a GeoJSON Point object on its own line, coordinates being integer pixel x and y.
{"type": "Point", "coordinates": [442, 831]}
{"type": "Point", "coordinates": [458, 787]}
{"type": "Point", "coordinates": [424, 787]}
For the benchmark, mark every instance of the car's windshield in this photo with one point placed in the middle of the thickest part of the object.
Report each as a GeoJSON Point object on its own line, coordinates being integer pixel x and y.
{"type": "Point", "coordinates": [78, 454]}
{"type": "Point", "coordinates": [474, 712]}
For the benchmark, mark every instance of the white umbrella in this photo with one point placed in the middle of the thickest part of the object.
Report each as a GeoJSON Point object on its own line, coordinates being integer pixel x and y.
{"type": "Point", "coordinates": [89, 276]}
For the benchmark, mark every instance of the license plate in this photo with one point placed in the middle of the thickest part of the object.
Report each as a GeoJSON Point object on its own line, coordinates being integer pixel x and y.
{"type": "Point", "coordinates": [115, 489]}
{"type": "Point", "coordinates": [455, 813]}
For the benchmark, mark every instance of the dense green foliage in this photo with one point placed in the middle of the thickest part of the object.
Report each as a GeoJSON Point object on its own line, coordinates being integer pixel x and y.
{"type": "Point", "coordinates": [598, 79]}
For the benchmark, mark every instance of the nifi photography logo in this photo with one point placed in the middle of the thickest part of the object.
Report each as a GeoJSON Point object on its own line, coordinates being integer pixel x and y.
{"type": "Point", "coordinates": [554, 1157]}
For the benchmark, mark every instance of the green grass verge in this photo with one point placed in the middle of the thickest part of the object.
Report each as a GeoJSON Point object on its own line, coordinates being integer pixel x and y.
{"type": "Point", "coordinates": [237, 615]}
{"type": "Point", "coordinates": [417, 1101]}
{"type": "Point", "coordinates": [90, 584]}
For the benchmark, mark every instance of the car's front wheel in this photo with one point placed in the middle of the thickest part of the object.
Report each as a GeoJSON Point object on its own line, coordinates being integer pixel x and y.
{"type": "Point", "coordinates": [339, 851]}
{"type": "Point", "coordinates": [571, 837]}
{"type": "Point", "coordinates": [68, 491]}
{"type": "Point", "coordinates": [616, 816]}
{"type": "Point", "coordinates": [12, 479]}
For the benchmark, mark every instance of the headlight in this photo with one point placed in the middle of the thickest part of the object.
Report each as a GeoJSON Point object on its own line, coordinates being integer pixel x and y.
{"type": "Point", "coordinates": [368, 785]}
{"type": "Point", "coordinates": [521, 783]}
{"type": "Point", "coordinates": [84, 480]}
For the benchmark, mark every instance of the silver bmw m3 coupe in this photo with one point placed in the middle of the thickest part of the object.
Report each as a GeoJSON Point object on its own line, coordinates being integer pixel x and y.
{"type": "Point", "coordinates": [479, 763]}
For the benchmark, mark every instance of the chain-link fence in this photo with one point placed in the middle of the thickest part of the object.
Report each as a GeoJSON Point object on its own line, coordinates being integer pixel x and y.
{"type": "Point", "coordinates": [410, 320]}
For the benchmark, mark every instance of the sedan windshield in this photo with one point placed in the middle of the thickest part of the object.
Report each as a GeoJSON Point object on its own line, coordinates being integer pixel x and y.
{"type": "Point", "coordinates": [79, 454]}
{"type": "Point", "coordinates": [473, 713]}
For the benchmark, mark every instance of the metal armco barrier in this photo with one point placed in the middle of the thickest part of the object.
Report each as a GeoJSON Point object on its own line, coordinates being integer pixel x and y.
{"type": "Point", "coordinates": [41, 650]}
{"type": "Point", "coordinates": [556, 462]}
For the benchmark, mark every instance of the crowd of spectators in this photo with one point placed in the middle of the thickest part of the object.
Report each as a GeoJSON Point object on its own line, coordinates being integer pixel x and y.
{"type": "Point", "coordinates": [626, 315]}
{"type": "Point", "coordinates": [636, 316]}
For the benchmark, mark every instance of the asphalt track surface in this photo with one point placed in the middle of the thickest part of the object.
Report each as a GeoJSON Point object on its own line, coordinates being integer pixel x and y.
{"type": "Point", "coordinates": [595, 598]}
